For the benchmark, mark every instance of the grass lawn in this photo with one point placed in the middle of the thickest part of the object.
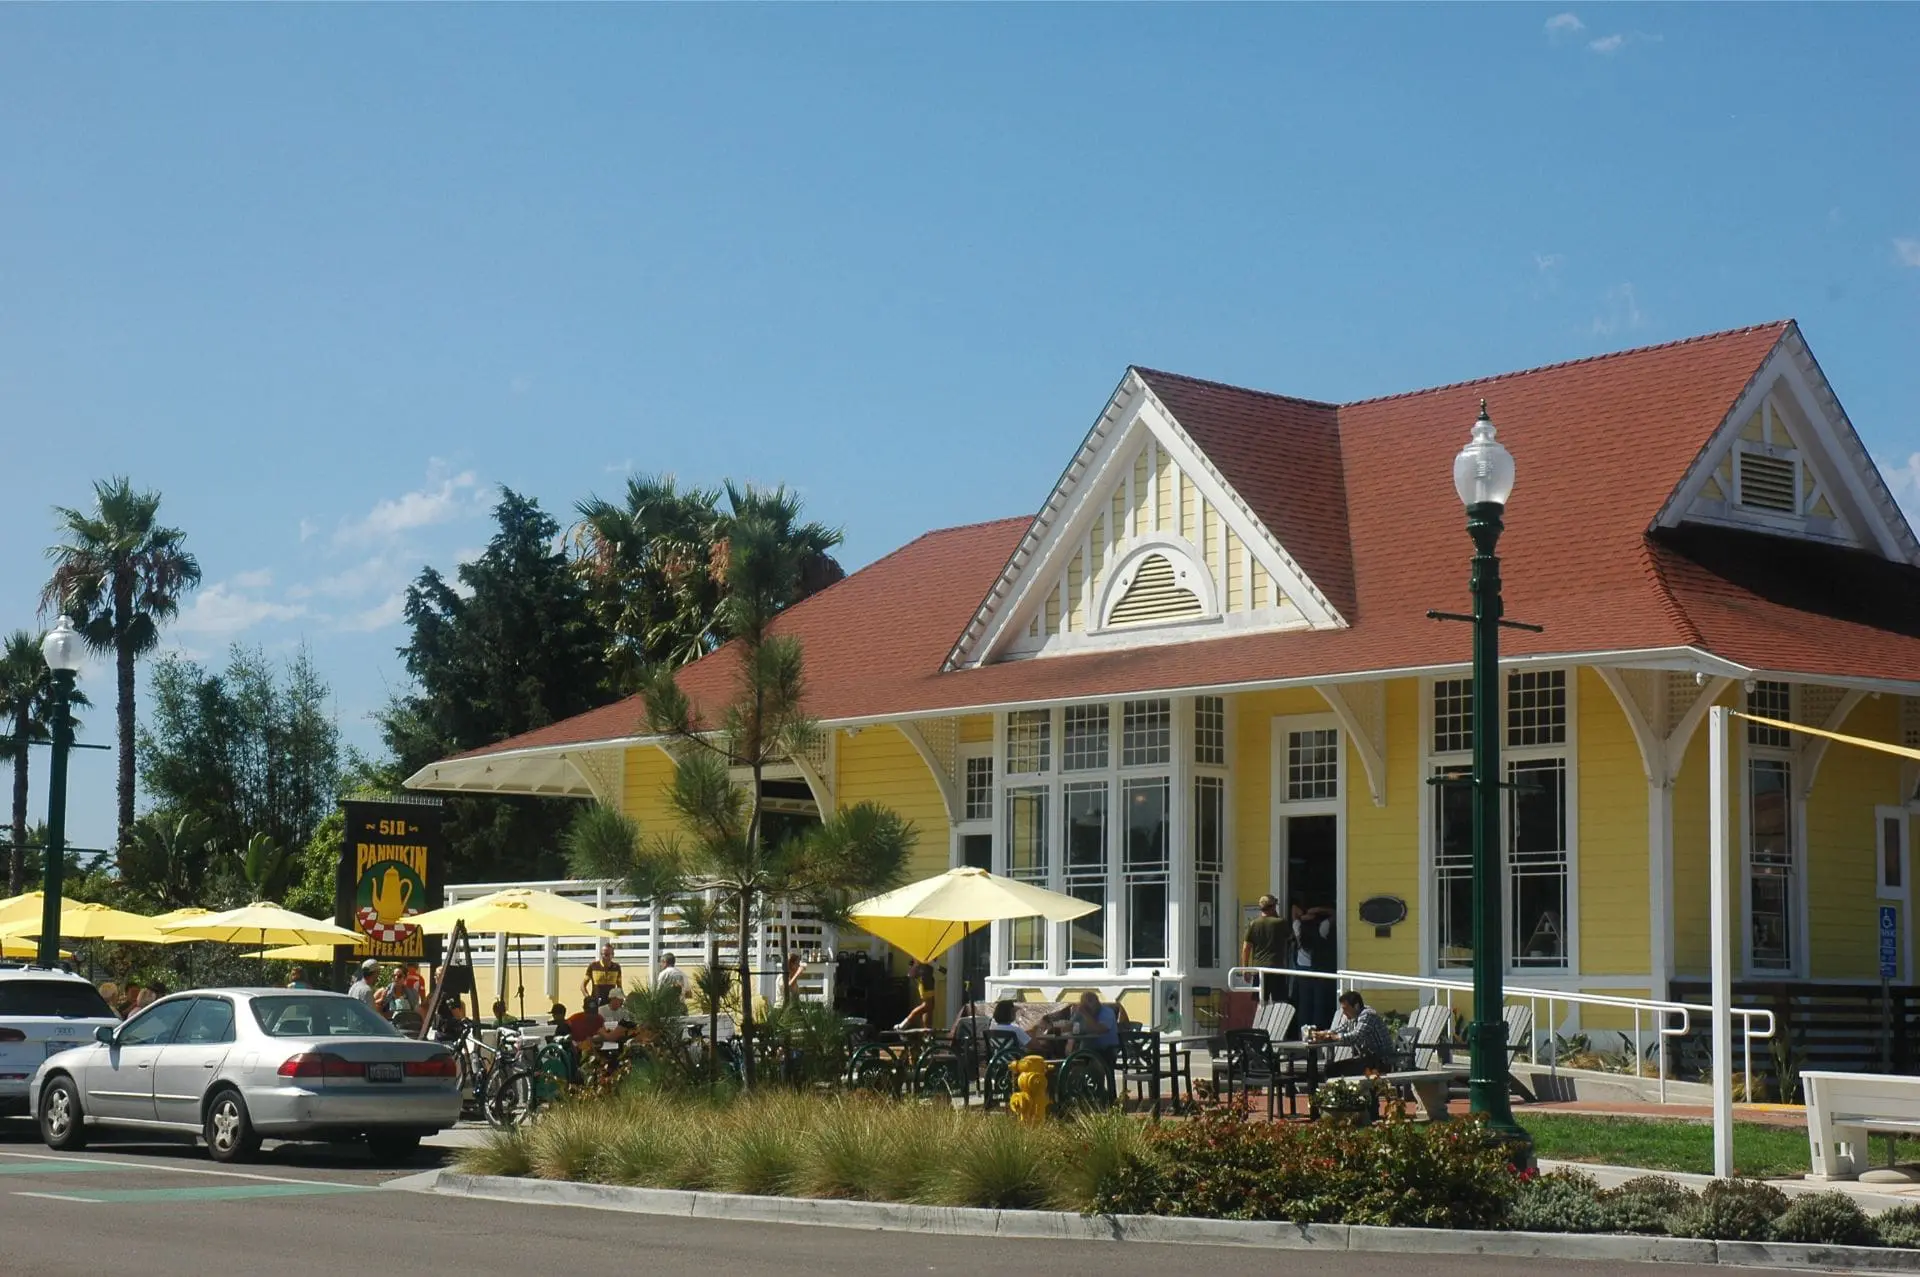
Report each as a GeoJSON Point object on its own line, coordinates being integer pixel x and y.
{"type": "Point", "coordinates": [1761, 1151]}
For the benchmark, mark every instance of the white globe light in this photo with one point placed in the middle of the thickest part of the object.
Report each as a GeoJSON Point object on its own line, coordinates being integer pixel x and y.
{"type": "Point", "coordinates": [1483, 472]}
{"type": "Point", "coordinates": [61, 646]}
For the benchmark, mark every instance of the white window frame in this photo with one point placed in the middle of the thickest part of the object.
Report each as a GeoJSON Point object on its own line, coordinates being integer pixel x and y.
{"type": "Point", "coordinates": [1881, 816]}
{"type": "Point", "coordinates": [963, 827]}
{"type": "Point", "coordinates": [1431, 764]}
{"type": "Point", "coordinates": [1797, 912]}
{"type": "Point", "coordinates": [1281, 809]}
{"type": "Point", "coordinates": [1226, 923]}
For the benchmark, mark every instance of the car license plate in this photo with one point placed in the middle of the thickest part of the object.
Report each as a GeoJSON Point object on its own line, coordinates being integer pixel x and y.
{"type": "Point", "coordinates": [385, 1072]}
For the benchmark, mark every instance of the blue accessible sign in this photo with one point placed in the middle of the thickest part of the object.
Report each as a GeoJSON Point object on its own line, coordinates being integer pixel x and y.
{"type": "Point", "coordinates": [1889, 942]}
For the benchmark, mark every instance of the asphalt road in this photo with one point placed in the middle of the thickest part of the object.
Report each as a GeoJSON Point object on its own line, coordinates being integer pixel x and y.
{"type": "Point", "coordinates": [311, 1211]}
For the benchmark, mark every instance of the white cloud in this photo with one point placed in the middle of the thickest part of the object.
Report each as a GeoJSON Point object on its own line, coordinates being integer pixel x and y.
{"type": "Point", "coordinates": [1907, 251]}
{"type": "Point", "coordinates": [1545, 262]}
{"type": "Point", "coordinates": [258, 579]}
{"type": "Point", "coordinates": [308, 529]}
{"type": "Point", "coordinates": [1607, 44]}
{"type": "Point", "coordinates": [220, 610]}
{"type": "Point", "coordinates": [380, 573]}
{"type": "Point", "coordinates": [443, 499]}
{"type": "Point", "coordinates": [1621, 313]}
{"type": "Point", "coordinates": [1564, 26]}
{"type": "Point", "coordinates": [1904, 481]}
{"type": "Point", "coordinates": [388, 611]}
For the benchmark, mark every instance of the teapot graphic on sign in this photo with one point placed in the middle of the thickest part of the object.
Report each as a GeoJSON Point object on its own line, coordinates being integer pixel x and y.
{"type": "Point", "coordinates": [391, 895]}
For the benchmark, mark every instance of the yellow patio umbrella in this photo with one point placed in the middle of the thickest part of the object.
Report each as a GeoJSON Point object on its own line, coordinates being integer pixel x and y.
{"type": "Point", "coordinates": [928, 917]}
{"type": "Point", "coordinates": [539, 901]}
{"type": "Point", "coordinates": [15, 908]}
{"type": "Point", "coordinates": [259, 923]}
{"type": "Point", "coordinates": [515, 916]}
{"type": "Point", "coordinates": [11, 948]}
{"type": "Point", "coordinates": [303, 953]}
{"type": "Point", "coordinates": [83, 920]}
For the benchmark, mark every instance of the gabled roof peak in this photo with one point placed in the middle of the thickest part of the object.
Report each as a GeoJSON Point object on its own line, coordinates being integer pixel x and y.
{"type": "Point", "coordinates": [1149, 373]}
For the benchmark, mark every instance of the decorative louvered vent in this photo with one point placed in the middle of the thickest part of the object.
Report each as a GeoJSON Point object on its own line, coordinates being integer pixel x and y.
{"type": "Point", "coordinates": [1154, 594]}
{"type": "Point", "coordinates": [1910, 721]}
{"type": "Point", "coordinates": [1767, 483]}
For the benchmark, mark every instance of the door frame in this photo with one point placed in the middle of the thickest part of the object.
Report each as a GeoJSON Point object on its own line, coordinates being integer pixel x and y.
{"type": "Point", "coordinates": [1280, 809]}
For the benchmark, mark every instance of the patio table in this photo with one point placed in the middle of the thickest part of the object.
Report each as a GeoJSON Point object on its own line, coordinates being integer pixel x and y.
{"type": "Point", "coordinates": [1310, 1053]}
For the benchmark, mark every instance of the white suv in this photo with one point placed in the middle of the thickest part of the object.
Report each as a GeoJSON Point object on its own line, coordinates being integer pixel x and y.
{"type": "Point", "coordinates": [42, 1013]}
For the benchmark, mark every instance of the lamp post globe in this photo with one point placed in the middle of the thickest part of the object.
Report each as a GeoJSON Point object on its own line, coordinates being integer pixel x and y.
{"type": "Point", "coordinates": [1483, 476]}
{"type": "Point", "coordinates": [61, 648]}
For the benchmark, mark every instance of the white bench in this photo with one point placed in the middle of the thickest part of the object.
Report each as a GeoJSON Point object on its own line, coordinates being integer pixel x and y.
{"type": "Point", "coordinates": [1843, 1107]}
{"type": "Point", "coordinates": [1429, 1087]}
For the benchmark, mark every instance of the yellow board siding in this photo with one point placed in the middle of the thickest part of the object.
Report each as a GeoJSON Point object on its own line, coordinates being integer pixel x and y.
{"type": "Point", "coordinates": [1076, 593]}
{"type": "Point", "coordinates": [1053, 611]}
{"type": "Point", "coordinates": [1189, 508]}
{"type": "Point", "coordinates": [1253, 714]}
{"type": "Point", "coordinates": [880, 766]}
{"type": "Point", "coordinates": [1210, 540]}
{"type": "Point", "coordinates": [1137, 523]}
{"type": "Point", "coordinates": [1163, 495]}
{"type": "Point", "coordinates": [1097, 546]}
{"type": "Point", "coordinates": [976, 728]}
{"type": "Point", "coordinates": [649, 774]}
{"type": "Point", "coordinates": [1689, 904]}
{"type": "Point", "coordinates": [1383, 843]}
{"type": "Point", "coordinates": [1611, 1017]}
{"type": "Point", "coordinates": [1236, 573]}
{"type": "Point", "coordinates": [1614, 938]}
{"type": "Point", "coordinates": [1117, 522]}
{"type": "Point", "coordinates": [1841, 878]}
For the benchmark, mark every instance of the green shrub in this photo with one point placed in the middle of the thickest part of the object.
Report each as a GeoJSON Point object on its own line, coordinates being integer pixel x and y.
{"type": "Point", "coordinates": [1734, 1210]}
{"type": "Point", "coordinates": [1899, 1226]}
{"type": "Point", "coordinates": [643, 1146]}
{"type": "Point", "coordinates": [1223, 1165]}
{"type": "Point", "coordinates": [1098, 1147]}
{"type": "Point", "coordinates": [1830, 1219]}
{"type": "Point", "coordinates": [502, 1153]}
{"type": "Point", "coordinates": [565, 1142]}
{"type": "Point", "coordinates": [1559, 1202]}
{"type": "Point", "coordinates": [994, 1161]}
{"type": "Point", "coordinates": [756, 1153]}
{"type": "Point", "coordinates": [1646, 1204]}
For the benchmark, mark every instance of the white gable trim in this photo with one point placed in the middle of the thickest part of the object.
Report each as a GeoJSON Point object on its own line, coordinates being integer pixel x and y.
{"type": "Point", "coordinates": [1133, 415]}
{"type": "Point", "coordinates": [1828, 445]}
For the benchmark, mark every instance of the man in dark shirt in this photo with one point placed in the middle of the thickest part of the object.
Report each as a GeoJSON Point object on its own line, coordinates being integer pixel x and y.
{"type": "Point", "coordinates": [1268, 939]}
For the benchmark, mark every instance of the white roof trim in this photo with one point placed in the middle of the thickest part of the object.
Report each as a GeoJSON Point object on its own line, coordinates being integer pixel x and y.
{"type": "Point", "coordinates": [1132, 412]}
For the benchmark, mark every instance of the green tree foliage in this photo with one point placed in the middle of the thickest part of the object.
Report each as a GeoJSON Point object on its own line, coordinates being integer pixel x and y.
{"type": "Point", "coordinates": [510, 648]}
{"type": "Point", "coordinates": [656, 566]}
{"type": "Point", "coordinates": [170, 859]}
{"type": "Point", "coordinates": [26, 719]}
{"type": "Point", "coordinates": [120, 573]}
{"type": "Point", "coordinates": [252, 750]}
{"type": "Point", "coordinates": [723, 847]}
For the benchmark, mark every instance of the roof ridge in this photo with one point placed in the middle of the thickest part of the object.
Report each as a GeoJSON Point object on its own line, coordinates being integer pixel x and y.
{"type": "Point", "coordinates": [1145, 371]}
{"type": "Point", "coordinates": [1779, 324]}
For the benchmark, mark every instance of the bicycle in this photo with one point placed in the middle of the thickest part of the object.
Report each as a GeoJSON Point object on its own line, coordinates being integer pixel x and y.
{"type": "Point", "coordinates": [538, 1072]}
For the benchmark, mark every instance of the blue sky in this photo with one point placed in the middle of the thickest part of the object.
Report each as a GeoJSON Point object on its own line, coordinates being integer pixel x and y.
{"type": "Point", "coordinates": [328, 275]}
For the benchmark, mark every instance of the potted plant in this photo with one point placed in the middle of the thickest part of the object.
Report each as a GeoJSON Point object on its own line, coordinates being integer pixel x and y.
{"type": "Point", "coordinates": [1350, 1101]}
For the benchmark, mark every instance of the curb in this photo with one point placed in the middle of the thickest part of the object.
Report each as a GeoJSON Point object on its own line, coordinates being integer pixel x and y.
{"type": "Point", "coordinates": [960, 1221]}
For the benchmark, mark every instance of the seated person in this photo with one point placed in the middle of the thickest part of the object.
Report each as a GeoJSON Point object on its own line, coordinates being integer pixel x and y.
{"type": "Point", "coordinates": [451, 1024]}
{"type": "Point", "coordinates": [1003, 1025]}
{"type": "Point", "coordinates": [616, 1025]}
{"type": "Point", "coordinates": [1091, 1024]}
{"type": "Point", "coordinates": [581, 1026]}
{"type": "Point", "coordinates": [1360, 1028]}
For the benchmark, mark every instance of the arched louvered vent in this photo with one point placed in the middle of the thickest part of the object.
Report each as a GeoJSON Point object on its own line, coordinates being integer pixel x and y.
{"type": "Point", "coordinates": [1156, 593]}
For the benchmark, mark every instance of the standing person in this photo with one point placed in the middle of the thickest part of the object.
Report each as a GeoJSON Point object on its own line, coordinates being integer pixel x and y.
{"type": "Point", "coordinates": [790, 983]}
{"type": "Point", "coordinates": [415, 982]}
{"type": "Point", "coordinates": [362, 987]}
{"type": "Point", "coordinates": [921, 973]}
{"type": "Point", "coordinates": [603, 973]}
{"type": "Point", "coordinates": [297, 979]}
{"type": "Point", "coordinates": [1314, 950]}
{"type": "Point", "coordinates": [670, 976]}
{"type": "Point", "coordinates": [1268, 944]}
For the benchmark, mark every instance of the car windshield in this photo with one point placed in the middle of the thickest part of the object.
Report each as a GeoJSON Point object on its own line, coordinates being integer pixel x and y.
{"type": "Point", "coordinates": [293, 1016]}
{"type": "Point", "coordinates": [68, 999]}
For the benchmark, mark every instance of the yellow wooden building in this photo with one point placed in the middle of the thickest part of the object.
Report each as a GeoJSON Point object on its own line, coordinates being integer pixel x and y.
{"type": "Point", "coordinates": [1204, 671]}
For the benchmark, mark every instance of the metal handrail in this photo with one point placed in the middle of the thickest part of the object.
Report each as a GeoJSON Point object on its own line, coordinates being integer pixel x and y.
{"type": "Point", "coordinates": [1648, 1013]}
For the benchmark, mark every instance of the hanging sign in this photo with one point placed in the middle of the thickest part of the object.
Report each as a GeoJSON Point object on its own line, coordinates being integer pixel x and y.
{"type": "Point", "coordinates": [388, 867]}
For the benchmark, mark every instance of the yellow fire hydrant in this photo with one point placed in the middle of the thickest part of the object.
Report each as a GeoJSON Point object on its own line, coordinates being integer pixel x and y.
{"type": "Point", "coordinates": [1028, 1104]}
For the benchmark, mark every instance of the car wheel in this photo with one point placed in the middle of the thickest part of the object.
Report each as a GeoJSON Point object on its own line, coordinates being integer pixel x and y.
{"type": "Point", "coordinates": [392, 1146]}
{"type": "Point", "coordinates": [229, 1131]}
{"type": "Point", "coordinates": [62, 1125]}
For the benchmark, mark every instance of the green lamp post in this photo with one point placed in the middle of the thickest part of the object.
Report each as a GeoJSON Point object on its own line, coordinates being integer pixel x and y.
{"type": "Point", "coordinates": [61, 647]}
{"type": "Point", "coordinates": [1483, 476]}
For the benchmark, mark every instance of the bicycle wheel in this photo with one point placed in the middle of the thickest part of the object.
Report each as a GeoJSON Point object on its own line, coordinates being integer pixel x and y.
{"type": "Point", "coordinates": [872, 1069]}
{"type": "Point", "coordinates": [511, 1097]}
{"type": "Point", "coordinates": [938, 1076]}
{"type": "Point", "coordinates": [1084, 1084]}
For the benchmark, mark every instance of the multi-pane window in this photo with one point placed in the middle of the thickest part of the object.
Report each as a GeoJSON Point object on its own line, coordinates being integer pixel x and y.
{"type": "Point", "coordinates": [979, 795]}
{"type": "Point", "coordinates": [1452, 715]}
{"type": "Point", "coordinates": [1775, 701]}
{"type": "Point", "coordinates": [1083, 738]}
{"type": "Point", "coordinates": [1537, 708]}
{"type": "Point", "coordinates": [1029, 742]}
{"type": "Point", "coordinates": [1453, 865]}
{"type": "Point", "coordinates": [1146, 733]}
{"type": "Point", "coordinates": [1771, 872]}
{"type": "Point", "coordinates": [1086, 871]}
{"type": "Point", "coordinates": [1210, 731]}
{"type": "Point", "coordinates": [1537, 861]}
{"type": "Point", "coordinates": [1313, 765]}
{"type": "Point", "coordinates": [1029, 859]}
{"type": "Point", "coordinates": [1209, 863]}
{"type": "Point", "coordinates": [1144, 866]}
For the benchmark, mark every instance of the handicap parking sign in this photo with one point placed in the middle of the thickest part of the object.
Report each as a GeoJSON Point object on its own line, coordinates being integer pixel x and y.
{"type": "Point", "coordinates": [1889, 942]}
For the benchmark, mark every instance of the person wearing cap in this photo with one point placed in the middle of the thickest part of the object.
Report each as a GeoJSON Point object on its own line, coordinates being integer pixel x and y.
{"type": "Point", "coordinates": [1267, 944]}
{"type": "Point", "coordinates": [362, 987]}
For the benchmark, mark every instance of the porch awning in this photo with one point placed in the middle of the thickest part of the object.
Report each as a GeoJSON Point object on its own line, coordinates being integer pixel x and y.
{"type": "Point", "coordinates": [565, 771]}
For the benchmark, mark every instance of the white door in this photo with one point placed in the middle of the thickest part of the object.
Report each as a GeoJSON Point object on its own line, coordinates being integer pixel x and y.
{"type": "Point", "coordinates": [188, 1063]}
{"type": "Point", "coordinates": [120, 1078]}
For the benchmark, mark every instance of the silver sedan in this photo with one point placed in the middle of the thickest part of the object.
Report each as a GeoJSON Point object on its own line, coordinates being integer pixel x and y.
{"type": "Point", "coordinates": [235, 1066]}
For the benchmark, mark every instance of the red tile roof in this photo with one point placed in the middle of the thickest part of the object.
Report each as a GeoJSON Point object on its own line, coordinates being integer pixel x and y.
{"type": "Point", "coordinates": [1361, 495]}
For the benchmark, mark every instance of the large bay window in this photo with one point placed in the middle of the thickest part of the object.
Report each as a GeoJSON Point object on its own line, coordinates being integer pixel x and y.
{"type": "Point", "coordinates": [1101, 802]}
{"type": "Point", "coordinates": [1773, 886]}
{"type": "Point", "coordinates": [1536, 834]}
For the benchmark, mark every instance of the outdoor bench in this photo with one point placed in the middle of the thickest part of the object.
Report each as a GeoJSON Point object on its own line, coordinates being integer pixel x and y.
{"type": "Point", "coordinates": [1429, 1087]}
{"type": "Point", "coordinates": [1843, 1107]}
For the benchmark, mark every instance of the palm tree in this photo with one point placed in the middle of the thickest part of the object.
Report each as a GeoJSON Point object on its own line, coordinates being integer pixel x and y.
{"type": "Point", "coordinates": [26, 718]}
{"type": "Point", "coordinates": [119, 574]}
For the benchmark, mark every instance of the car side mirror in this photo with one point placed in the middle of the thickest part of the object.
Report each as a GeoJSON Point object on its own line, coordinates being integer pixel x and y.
{"type": "Point", "coordinates": [104, 1034]}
